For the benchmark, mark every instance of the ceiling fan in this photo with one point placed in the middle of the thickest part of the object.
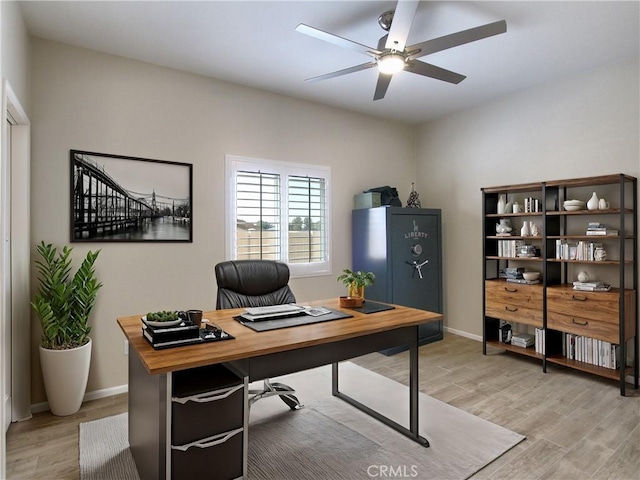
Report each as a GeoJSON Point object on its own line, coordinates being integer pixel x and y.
{"type": "Point", "coordinates": [393, 55]}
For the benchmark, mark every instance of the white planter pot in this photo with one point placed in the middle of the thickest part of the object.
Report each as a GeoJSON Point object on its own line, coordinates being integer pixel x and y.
{"type": "Point", "coordinates": [65, 374]}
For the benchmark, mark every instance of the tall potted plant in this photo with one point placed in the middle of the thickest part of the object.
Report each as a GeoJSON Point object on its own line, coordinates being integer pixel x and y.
{"type": "Point", "coordinates": [63, 303]}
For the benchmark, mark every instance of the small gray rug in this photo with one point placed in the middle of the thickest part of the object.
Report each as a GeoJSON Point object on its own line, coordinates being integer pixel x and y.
{"type": "Point", "coordinates": [329, 439]}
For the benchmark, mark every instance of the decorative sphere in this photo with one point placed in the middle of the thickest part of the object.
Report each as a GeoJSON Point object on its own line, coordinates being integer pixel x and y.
{"type": "Point", "coordinates": [583, 276]}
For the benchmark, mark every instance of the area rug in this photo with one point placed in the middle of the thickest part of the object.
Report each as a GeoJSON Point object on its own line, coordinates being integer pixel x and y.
{"type": "Point", "coordinates": [329, 439]}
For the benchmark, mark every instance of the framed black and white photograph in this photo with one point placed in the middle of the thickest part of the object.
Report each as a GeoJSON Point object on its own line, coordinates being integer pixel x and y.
{"type": "Point", "coordinates": [128, 199]}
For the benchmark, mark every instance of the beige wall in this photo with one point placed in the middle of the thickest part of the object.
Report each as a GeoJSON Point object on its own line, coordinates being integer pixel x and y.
{"type": "Point", "coordinates": [15, 51]}
{"type": "Point", "coordinates": [91, 101]}
{"type": "Point", "coordinates": [586, 125]}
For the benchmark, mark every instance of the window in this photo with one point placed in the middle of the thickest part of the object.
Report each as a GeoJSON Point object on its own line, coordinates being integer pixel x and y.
{"type": "Point", "coordinates": [279, 211]}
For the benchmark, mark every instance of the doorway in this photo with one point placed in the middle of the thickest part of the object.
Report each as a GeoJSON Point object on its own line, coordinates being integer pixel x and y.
{"type": "Point", "coordinates": [15, 315]}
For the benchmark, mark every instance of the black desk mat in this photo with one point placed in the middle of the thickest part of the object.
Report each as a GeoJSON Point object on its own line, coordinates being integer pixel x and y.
{"type": "Point", "coordinates": [266, 325]}
{"type": "Point", "coordinates": [372, 307]}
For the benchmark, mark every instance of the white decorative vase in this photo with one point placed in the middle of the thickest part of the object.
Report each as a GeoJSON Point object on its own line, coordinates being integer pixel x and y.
{"type": "Point", "coordinates": [65, 374]}
{"type": "Point", "coordinates": [502, 203]}
{"type": "Point", "coordinates": [524, 231]}
{"type": "Point", "coordinates": [592, 204]}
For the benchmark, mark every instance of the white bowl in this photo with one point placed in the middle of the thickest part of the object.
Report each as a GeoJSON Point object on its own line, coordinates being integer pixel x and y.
{"type": "Point", "coordinates": [574, 202]}
{"type": "Point", "coordinates": [573, 208]}
{"type": "Point", "coordinates": [531, 275]}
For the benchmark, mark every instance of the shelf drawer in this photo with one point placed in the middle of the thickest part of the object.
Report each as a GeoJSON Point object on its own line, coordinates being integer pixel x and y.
{"type": "Point", "coordinates": [205, 414]}
{"type": "Point", "coordinates": [601, 306]}
{"type": "Point", "coordinates": [514, 313]}
{"type": "Point", "coordinates": [218, 457]}
{"type": "Point", "coordinates": [528, 296]}
{"type": "Point", "coordinates": [583, 326]}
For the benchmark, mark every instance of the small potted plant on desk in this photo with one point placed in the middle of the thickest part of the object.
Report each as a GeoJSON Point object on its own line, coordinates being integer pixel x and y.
{"type": "Point", "coordinates": [355, 282]}
{"type": "Point", "coordinates": [63, 303]}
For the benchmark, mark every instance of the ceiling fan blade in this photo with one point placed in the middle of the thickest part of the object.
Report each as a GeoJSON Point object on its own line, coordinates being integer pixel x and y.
{"type": "Point", "coordinates": [455, 39]}
{"type": "Point", "coordinates": [381, 86]}
{"type": "Point", "coordinates": [401, 24]}
{"type": "Point", "coordinates": [336, 40]}
{"type": "Point", "coordinates": [339, 73]}
{"type": "Point", "coordinates": [428, 70]}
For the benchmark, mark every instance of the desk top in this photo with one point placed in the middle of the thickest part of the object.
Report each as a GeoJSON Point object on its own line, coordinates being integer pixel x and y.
{"type": "Point", "coordinates": [252, 344]}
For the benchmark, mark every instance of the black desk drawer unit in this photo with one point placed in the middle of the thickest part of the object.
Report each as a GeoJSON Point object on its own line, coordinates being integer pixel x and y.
{"type": "Point", "coordinates": [207, 424]}
{"type": "Point", "coordinates": [218, 457]}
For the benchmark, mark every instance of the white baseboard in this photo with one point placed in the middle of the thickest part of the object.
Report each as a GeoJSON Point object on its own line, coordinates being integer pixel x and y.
{"type": "Point", "coordinates": [477, 338]}
{"type": "Point", "coordinates": [95, 395]}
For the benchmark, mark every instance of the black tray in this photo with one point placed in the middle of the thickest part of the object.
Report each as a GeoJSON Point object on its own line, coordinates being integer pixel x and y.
{"type": "Point", "coordinates": [203, 337]}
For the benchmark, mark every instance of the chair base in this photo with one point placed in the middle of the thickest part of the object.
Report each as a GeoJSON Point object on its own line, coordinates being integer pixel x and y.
{"type": "Point", "coordinates": [285, 392]}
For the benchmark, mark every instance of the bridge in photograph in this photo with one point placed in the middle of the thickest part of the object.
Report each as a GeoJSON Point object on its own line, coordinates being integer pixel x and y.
{"type": "Point", "coordinates": [102, 207]}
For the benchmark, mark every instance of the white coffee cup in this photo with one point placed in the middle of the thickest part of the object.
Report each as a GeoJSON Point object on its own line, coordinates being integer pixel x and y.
{"type": "Point", "coordinates": [603, 204]}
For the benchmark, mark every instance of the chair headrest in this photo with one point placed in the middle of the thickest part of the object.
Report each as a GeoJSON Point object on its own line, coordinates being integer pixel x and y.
{"type": "Point", "coordinates": [252, 277]}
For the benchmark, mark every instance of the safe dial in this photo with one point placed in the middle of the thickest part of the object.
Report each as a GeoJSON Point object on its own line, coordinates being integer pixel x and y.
{"type": "Point", "coordinates": [416, 249]}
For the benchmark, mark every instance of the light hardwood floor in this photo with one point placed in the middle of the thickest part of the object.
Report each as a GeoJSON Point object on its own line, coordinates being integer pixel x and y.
{"type": "Point", "coordinates": [577, 426]}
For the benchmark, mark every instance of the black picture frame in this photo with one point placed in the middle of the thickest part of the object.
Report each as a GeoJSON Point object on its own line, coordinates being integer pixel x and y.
{"type": "Point", "coordinates": [115, 198]}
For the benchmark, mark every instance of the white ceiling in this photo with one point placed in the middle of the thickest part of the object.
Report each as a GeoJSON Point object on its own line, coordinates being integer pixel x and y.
{"type": "Point", "coordinates": [253, 43]}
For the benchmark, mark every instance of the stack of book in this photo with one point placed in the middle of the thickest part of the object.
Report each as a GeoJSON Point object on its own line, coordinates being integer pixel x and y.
{"type": "Point", "coordinates": [522, 281]}
{"type": "Point", "coordinates": [591, 286]}
{"type": "Point", "coordinates": [596, 228]}
{"type": "Point", "coordinates": [523, 340]}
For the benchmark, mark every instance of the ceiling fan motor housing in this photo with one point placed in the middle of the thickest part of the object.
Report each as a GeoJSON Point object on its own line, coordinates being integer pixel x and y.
{"type": "Point", "coordinates": [385, 20]}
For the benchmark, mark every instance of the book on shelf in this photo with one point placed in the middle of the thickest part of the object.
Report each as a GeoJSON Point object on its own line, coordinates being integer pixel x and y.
{"type": "Point", "coordinates": [591, 350]}
{"type": "Point", "coordinates": [604, 231]}
{"type": "Point", "coordinates": [577, 251]}
{"type": "Point", "coordinates": [540, 341]}
{"type": "Point", "coordinates": [522, 339]}
{"type": "Point", "coordinates": [522, 281]}
{"type": "Point", "coordinates": [588, 284]}
{"type": "Point", "coordinates": [601, 288]}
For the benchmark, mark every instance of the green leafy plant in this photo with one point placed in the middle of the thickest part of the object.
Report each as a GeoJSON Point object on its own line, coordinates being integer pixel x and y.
{"type": "Point", "coordinates": [356, 281]}
{"type": "Point", "coordinates": [64, 302]}
{"type": "Point", "coordinates": [162, 316]}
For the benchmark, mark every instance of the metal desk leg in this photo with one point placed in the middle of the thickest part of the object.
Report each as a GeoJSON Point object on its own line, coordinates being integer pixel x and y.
{"type": "Point", "coordinates": [412, 431]}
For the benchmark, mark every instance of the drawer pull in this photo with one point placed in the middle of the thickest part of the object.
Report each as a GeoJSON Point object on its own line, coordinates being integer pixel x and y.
{"type": "Point", "coordinates": [510, 290]}
{"type": "Point", "coordinates": [208, 396]}
{"type": "Point", "coordinates": [510, 309]}
{"type": "Point", "coordinates": [584, 324]}
{"type": "Point", "coordinates": [578, 298]}
{"type": "Point", "coordinates": [209, 441]}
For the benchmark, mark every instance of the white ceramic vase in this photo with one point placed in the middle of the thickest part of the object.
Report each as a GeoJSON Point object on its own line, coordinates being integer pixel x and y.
{"type": "Point", "coordinates": [592, 204]}
{"type": "Point", "coordinates": [502, 203]}
{"type": "Point", "coordinates": [65, 374]}
{"type": "Point", "coordinates": [524, 231]}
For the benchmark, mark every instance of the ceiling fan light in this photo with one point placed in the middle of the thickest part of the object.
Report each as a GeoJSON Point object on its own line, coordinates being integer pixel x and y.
{"type": "Point", "coordinates": [391, 63]}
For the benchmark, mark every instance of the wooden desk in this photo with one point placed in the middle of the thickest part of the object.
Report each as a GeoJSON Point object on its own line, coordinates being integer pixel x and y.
{"type": "Point", "coordinates": [259, 355]}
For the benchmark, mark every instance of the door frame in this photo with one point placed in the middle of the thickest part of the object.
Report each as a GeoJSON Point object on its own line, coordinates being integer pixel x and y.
{"type": "Point", "coordinates": [15, 166]}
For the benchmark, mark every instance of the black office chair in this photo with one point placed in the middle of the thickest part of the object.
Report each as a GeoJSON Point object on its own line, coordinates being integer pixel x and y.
{"type": "Point", "coordinates": [257, 283]}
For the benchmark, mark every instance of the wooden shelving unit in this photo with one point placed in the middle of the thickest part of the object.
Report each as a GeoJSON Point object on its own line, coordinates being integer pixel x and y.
{"type": "Point", "coordinates": [608, 319]}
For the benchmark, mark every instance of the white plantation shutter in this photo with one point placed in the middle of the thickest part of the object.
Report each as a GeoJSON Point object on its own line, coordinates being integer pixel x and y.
{"type": "Point", "coordinates": [279, 211]}
{"type": "Point", "coordinates": [307, 219]}
{"type": "Point", "coordinates": [258, 214]}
